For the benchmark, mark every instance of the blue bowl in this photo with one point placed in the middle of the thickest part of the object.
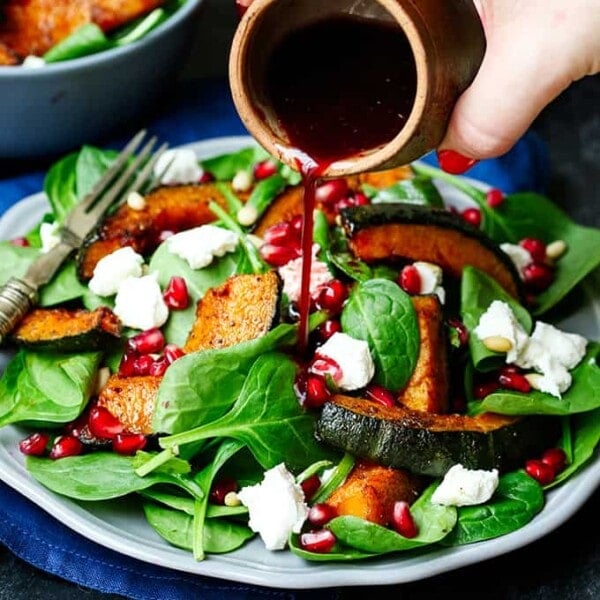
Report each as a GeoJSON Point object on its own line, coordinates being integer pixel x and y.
{"type": "Point", "coordinates": [60, 106]}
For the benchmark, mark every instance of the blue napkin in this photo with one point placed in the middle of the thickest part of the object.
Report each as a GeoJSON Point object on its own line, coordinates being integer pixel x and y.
{"type": "Point", "coordinates": [196, 111]}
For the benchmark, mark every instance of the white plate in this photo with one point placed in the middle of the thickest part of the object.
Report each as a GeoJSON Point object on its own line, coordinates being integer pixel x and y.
{"type": "Point", "coordinates": [122, 527]}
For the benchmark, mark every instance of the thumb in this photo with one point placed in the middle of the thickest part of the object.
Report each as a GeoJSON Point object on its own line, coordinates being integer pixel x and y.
{"type": "Point", "coordinates": [524, 68]}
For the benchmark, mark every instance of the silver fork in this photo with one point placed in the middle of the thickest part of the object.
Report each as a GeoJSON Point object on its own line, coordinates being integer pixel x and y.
{"type": "Point", "coordinates": [19, 295]}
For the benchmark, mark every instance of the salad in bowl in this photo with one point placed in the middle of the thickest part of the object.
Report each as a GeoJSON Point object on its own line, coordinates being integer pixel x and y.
{"type": "Point", "coordinates": [437, 401]}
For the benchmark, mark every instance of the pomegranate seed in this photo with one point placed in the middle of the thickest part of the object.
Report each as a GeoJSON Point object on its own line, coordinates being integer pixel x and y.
{"type": "Point", "coordinates": [402, 520]}
{"type": "Point", "coordinates": [320, 514]}
{"type": "Point", "coordinates": [165, 234]}
{"type": "Point", "coordinates": [34, 444]}
{"type": "Point", "coordinates": [128, 443]}
{"type": "Point", "coordinates": [278, 256]}
{"type": "Point", "coordinates": [65, 445]}
{"type": "Point", "coordinates": [540, 471]}
{"type": "Point", "coordinates": [326, 329]}
{"type": "Point", "coordinates": [381, 395]}
{"type": "Point", "coordinates": [514, 381]}
{"type": "Point", "coordinates": [20, 241]}
{"type": "Point", "coordinates": [555, 458]}
{"type": "Point", "coordinates": [360, 199]}
{"type": "Point", "coordinates": [172, 353]}
{"type": "Point", "coordinates": [343, 203]}
{"type": "Point", "coordinates": [296, 223]}
{"type": "Point", "coordinates": [461, 330]}
{"type": "Point", "coordinates": [410, 280]}
{"type": "Point", "coordinates": [146, 342]}
{"type": "Point", "coordinates": [158, 367]}
{"type": "Point", "coordinates": [538, 276]}
{"type": "Point", "coordinates": [331, 191]}
{"type": "Point", "coordinates": [103, 424]}
{"type": "Point", "coordinates": [280, 234]}
{"type": "Point", "coordinates": [127, 365]}
{"type": "Point", "coordinates": [472, 216]}
{"type": "Point", "coordinates": [176, 295]}
{"type": "Point", "coordinates": [206, 177]}
{"type": "Point", "coordinates": [331, 296]}
{"type": "Point", "coordinates": [142, 364]}
{"type": "Point", "coordinates": [317, 392]}
{"type": "Point", "coordinates": [494, 198]}
{"type": "Point", "coordinates": [321, 541]}
{"type": "Point", "coordinates": [265, 169]}
{"type": "Point", "coordinates": [481, 390]}
{"type": "Point", "coordinates": [535, 247]}
{"type": "Point", "coordinates": [220, 488]}
{"type": "Point", "coordinates": [323, 366]}
{"type": "Point", "coordinates": [310, 485]}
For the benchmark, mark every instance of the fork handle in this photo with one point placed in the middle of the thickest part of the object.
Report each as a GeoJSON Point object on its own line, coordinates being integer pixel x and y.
{"type": "Point", "coordinates": [16, 298]}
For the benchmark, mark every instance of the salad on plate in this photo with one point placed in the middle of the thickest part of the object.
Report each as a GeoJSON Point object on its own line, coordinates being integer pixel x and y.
{"type": "Point", "coordinates": [437, 400]}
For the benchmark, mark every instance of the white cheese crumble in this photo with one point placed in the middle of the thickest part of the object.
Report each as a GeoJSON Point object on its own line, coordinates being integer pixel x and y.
{"type": "Point", "coordinates": [178, 166]}
{"type": "Point", "coordinates": [466, 487]}
{"type": "Point", "coordinates": [139, 303]}
{"type": "Point", "coordinates": [113, 269]}
{"type": "Point", "coordinates": [49, 236]}
{"type": "Point", "coordinates": [431, 279]}
{"type": "Point", "coordinates": [500, 320]}
{"type": "Point", "coordinates": [198, 246]}
{"type": "Point", "coordinates": [549, 351]}
{"type": "Point", "coordinates": [291, 275]}
{"type": "Point", "coordinates": [353, 358]}
{"type": "Point", "coordinates": [276, 507]}
{"type": "Point", "coordinates": [519, 256]}
{"type": "Point", "coordinates": [33, 62]}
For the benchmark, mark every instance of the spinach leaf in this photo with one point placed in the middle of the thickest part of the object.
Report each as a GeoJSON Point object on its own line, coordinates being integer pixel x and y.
{"type": "Point", "coordinates": [339, 553]}
{"type": "Point", "coordinates": [434, 523]}
{"type": "Point", "coordinates": [225, 166]}
{"type": "Point", "coordinates": [91, 164]}
{"type": "Point", "coordinates": [381, 313]}
{"type": "Point", "coordinates": [417, 190]}
{"type": "Point", "coordinates": [186, 504]}
{"type": "Point", "coordinates": [265, 192]}
{"type": "Point", "coordinates": [516, 501]}
{"type": "Point", "coordinates": [49, 388]}
{"type": "Point", "coordinates": [478, 291]}
{"type": "Point", "coordinates": [219, 535]}
{"type": "Point", "coordinates": [86, 39]}
{"type": "Point", "coordinates": [140, 28]}
{"type": "Point", "coordinates": [100, 476]}
{"type": "Point", "coordinates": [583, 395]}
{"type": "Point", "coordinates": [266, 416]}
{"type": "Point", "coordinates": [59, 186]}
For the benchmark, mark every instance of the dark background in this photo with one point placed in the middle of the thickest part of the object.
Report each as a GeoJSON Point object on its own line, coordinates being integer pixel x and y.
{"type": "Point", "coordinates": [563, 565]}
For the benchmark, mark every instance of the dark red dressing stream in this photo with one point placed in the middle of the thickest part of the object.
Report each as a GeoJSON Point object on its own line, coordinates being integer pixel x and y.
{"type": "Point", "coordinates": [338, 87]}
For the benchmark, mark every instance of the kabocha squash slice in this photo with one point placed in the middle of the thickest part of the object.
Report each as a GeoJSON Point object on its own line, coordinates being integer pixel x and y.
{"type": "Point", "coordinates": [429, 444]}
{"type": "Point", "coordinates": [167, 208]}
{"type": "Point", "coordinates": [428, 387]}
{"type": "Point", "coordinates": [131, 400]}
{"type": "Point", "coordinates": [64, 330]}
{"type": "Point", "coordinates": [244, 307]}
{"type": "Point", "coordinates": [370, 491]}
{"type": "Point", "coordinates": [412, 232]}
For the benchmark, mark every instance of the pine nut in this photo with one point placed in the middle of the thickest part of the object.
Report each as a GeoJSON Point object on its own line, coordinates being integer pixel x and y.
{"type": "Point", "coordinates": [535, 380]}
{"type": "Point", "coordinates": [231, 499]}
{"type": "Point", "coordinates": [247, 215]}
{"type": "Point", "coordinates": [242, 181]}
{"type": "Point", "coordinates": [497, 343]}
{"type": "Point", "coordinates": [554, 250]}
{"type": "Point", "coordinates": [136, 201]}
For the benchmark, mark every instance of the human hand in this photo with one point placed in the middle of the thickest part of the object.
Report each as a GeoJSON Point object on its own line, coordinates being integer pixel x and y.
{"type": "Point", "coordinates": [535, 50]}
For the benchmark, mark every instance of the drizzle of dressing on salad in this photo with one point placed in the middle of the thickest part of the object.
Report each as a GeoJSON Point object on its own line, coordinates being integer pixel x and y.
{"type": "Point", "coordinates": [339, 87]}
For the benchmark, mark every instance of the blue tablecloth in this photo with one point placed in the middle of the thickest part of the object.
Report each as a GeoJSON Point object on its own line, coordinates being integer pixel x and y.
{"type": "Point", "coordinates": [195, 111]}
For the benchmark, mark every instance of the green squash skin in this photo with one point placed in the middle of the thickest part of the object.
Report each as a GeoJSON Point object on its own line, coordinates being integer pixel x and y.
{"type": "Point", "coordinates": [395, 443]}
{"type": "Point", "coordinates": [357, 218]}
{"type": "Point", "coordinates": [87, 341]}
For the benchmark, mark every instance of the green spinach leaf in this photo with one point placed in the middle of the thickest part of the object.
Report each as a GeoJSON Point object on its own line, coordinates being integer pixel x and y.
{"type": "Point", "coordinates": [86, 39]}
{"type": "Point", "coordinates": [417, 190]}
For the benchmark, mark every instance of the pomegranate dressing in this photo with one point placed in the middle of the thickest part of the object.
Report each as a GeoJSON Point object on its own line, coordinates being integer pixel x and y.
{"type": "Point", "coordinates": [335, 97]}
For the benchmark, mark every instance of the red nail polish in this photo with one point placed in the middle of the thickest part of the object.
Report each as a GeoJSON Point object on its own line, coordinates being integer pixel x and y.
{"type": "Point", "coordinates": [453, 162]}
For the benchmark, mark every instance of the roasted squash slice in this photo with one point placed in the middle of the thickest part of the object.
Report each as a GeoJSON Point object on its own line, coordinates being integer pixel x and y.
{"type": "Point", "coordinates": [64, 330]}
{"type": "Point", "coordinates": [243, 308]}
{"type": "Point", "coordinates": [428, 387]}
{"type": "Point", "coordinates": [428, 443]}
{"type": "Point", "coordinates": [131, 400]}
{"type": "Point", "coordinates": [168, 208]}
{"type": "Point", "coordinates": [412, 232]}
{"type": "Point", "coordinates": [370, 491]}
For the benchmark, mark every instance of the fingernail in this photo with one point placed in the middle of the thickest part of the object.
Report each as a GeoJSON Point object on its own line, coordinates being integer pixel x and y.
{"type": "Point", "coordinates": [454, 163]}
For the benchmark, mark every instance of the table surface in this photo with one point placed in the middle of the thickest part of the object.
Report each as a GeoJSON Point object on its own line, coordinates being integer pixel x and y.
{"type": "Point", "coordinates": [563, 565]}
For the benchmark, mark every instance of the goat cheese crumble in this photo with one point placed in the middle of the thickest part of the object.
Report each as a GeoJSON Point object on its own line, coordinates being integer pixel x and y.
{"type": "Point", "coordinates": [113, 269]}
{"type": "Point", "coordinates": [352, 357]}
{"type": "Point", "coordinates": [178, 166]}
{"type": "Point", "coordinates": [139, 303]}
{"type": "Point", "coordinates": [291, 275]}
{"type": "Point", "coordinates": [431, 279]}
{"type": "Point", "coordinates": [466, 487]}
{"type": "Point", "coordinates": [276, 507]}
{"type": "Point", "coordinates": [198, 246]}
{"type": "Point", "coordinates": [519, 256]}
{"type": "Point", "coordinates": [49, 236]}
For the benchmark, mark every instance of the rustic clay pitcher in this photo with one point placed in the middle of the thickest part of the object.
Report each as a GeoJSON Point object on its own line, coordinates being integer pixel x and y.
{"type": "Point", "coordinates": [445, 36]}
